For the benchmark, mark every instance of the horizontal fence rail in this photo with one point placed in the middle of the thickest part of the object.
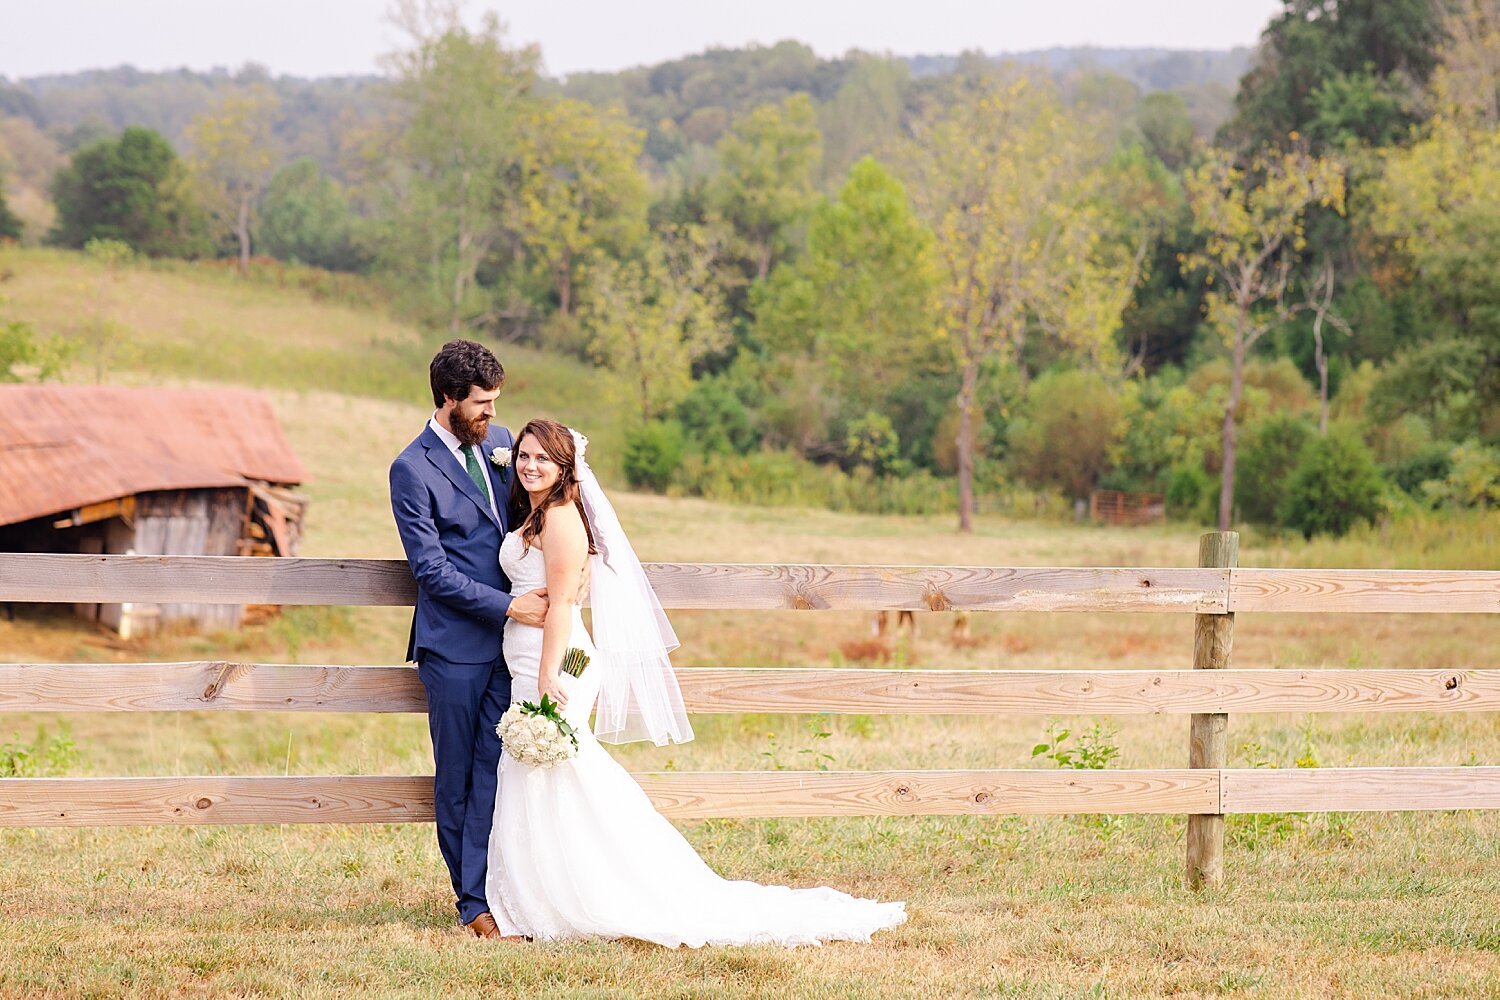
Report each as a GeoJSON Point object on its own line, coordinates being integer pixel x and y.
{"type": "Point", "coordinates": [213, 685]}
{"type": "Point", "coordinates": [749, 587]}
{"type": "Point", "coordinates": [71, 802]}
{"type": "Point", "coordinates": [1214, 591]}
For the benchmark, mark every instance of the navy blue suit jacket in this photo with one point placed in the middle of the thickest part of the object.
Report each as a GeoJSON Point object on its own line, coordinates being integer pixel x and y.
{"type": "Point", "coordinates": [452, 542]}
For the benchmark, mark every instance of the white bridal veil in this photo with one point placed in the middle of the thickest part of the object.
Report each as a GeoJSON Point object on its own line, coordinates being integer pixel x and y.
{"type": "Point", "coordinates": [639, 698]}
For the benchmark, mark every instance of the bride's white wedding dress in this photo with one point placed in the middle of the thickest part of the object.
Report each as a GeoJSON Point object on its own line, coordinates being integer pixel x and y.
{"type": "Point", "coordinates": [578, 850]}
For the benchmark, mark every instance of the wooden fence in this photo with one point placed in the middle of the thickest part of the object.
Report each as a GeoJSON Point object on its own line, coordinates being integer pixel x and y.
{"type": "Point", "coordinates": [1205, 791]}
{"type": "Point", "coordinates": [1118, 507]}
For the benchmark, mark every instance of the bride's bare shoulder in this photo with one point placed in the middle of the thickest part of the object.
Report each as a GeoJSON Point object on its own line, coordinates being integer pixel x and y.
{"type": "Point", "coordinates": [564, 524]}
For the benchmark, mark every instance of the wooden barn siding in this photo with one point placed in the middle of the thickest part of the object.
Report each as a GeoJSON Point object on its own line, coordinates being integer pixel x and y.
{"type": "Point", "coordinates": [193, 522]}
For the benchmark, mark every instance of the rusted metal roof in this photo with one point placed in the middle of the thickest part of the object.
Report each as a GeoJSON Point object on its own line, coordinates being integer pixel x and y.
{"type": "Point", "coordinates": [63, 446]}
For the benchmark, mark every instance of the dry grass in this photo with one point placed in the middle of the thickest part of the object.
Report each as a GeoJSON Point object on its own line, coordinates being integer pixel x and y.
{"type": "Point", "coordinates": [1315, 906]}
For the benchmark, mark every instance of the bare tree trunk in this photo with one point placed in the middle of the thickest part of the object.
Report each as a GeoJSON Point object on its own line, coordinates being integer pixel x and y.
{"type": "Point", "coordinates": [455, 308]}
{"type": "Point", "coordinates": [242, 230]}
{"type": "Point", "coordinates": [1236, 388]}
{"type": "Point", "coordinates": [1322, 363]}
{"type": "Point", "coordinates": [966, 393]}
{"type": "Point", "coordinates": [1319, 358]}
{"type": "Point", "coordinates": [565, 285]}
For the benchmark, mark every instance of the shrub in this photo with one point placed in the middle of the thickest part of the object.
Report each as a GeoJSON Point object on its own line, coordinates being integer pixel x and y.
{"type": "Point", "coordinates": [1472, 478]}
{"type": "Point", "coordinates": [715, 417]}
{"type": "Point", "coordinates": [784, 479]}
{"type": "Point", "coordinates": [1334, 486]}
{"type": "Point", "coordinates": [46, 755]}
{"type": "Point", "coordinates": [653, 453]}
{"type": "Point", "coordinates": [872, 441]}
{"type": "Point", "coordinates": [1073, 419]}
{"type": "Point", "coordinates": [1267, 458]}
{"type": "Point", "coordinates": [1431, 462]}
{"type": "Point", "coordinates": [1186, 490]}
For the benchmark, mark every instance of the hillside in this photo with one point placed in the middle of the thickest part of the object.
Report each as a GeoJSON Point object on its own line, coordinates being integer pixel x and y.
{"type": "Point", "coordinates": [699, 92]}
{"type": "Point", "coordinates": [174, 322]}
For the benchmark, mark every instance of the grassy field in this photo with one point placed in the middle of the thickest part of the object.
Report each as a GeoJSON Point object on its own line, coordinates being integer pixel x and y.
{"type": "Point", "coordinates": [1354, 905]}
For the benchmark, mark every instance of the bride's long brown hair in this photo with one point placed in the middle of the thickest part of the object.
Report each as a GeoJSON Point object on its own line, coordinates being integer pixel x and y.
{"type": "Point", "coordinates": [557, 441]}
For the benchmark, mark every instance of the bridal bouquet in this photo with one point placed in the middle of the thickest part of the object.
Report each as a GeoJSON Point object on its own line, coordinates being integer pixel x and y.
{"type": "Point", "coordinates": [538, 735]}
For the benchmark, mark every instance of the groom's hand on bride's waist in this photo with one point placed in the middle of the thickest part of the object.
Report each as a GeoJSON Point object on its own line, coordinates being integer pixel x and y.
{"type": "Point", "coordinates": [530, 608]}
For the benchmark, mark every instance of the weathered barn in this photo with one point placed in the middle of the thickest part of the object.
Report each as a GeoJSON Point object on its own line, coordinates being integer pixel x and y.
{"type": "Point", "coordinates": [111, 469]}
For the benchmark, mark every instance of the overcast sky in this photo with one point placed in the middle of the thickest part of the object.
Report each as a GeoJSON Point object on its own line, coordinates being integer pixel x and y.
{"type": "Point", "coordinates": [333, 37]}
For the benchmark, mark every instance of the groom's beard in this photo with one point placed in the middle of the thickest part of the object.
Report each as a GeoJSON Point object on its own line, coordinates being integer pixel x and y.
{"type": "Point", "coordinates": [469, 432]}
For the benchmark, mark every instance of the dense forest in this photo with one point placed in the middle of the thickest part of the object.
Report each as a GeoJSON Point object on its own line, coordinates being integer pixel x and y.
{"type": "Point", "coordinates": [1263, 284]}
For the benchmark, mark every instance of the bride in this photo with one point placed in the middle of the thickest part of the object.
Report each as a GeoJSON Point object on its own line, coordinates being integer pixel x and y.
{"type": "Point", "coordinates": [577, 849]}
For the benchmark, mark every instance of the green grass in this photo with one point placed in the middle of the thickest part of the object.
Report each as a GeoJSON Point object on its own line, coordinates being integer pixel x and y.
{"type": "Point", "coordinates": [1357, 905]}
{"type": "Point", "coordinates": [186, 326]}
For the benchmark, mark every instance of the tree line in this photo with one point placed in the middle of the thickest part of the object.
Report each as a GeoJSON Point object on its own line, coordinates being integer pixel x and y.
{"type": "Point", "coordinates": [907, 293]}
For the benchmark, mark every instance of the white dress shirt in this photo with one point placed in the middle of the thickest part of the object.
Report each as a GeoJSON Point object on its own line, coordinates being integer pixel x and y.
{"type": "Point", "coordinates": [457, 449]}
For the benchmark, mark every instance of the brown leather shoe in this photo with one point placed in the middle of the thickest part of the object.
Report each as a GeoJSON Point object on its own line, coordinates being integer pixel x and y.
{"type": "Point", "coordinates": [484, 926]}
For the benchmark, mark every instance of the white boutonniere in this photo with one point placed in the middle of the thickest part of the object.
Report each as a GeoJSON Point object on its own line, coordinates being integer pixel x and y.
{"type": "Point", "coordinates": [501, 457]}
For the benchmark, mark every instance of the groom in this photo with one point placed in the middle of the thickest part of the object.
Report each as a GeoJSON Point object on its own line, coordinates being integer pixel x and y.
{"type": "Point", "coordinates": [448, 492]}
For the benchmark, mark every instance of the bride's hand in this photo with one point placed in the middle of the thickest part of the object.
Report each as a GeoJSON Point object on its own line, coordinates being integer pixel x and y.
{"type": "Point", "coordinates": [552, 687]}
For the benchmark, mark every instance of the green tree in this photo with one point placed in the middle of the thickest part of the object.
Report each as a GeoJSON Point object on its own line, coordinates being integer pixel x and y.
{"type": "Point", "coordinates": [864, 117]}
{"type": "Point", "coordinates": [584, 194]}
{"type": "Point", "coordinates": [10, 224]}
{"type": "Point", "coordinates": [1436, 207]}
{"type": "Point", "coordinates": [305, 217]}
{"type": "Point", "coordinates": [453, 165]}
{"type": "Point", "coordinates": [1253, 223]}
{"type": "Point", "coordinates": [28, 356]}
{"type": "Point", "coordinates": [1009, 184]}
{"type": "Point", "coordinates": [106, 339]}
{"type": "Point", "coordinates": [769, 165]}
{"type": "Point", "coordinates": [1436, 380]}
{"type": "Point", "coordinates": [233, 155]}
{"type": "Point", "coordinates": [866, 289]}
{"type": "Point", "coordinates": [131, 189]}
{"type": "Point", "coordinates": [1165, 125]}
{"type": "Point", "coordinates": [1331, 70]}
{"type": "Point", "coordinates": [1334, 486]}
{"type": "Point", "coordinates": [652, 317]}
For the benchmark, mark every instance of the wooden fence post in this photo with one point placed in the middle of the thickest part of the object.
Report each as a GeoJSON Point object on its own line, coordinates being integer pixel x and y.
{"type": "Point", "coordinates": [1213, 637]}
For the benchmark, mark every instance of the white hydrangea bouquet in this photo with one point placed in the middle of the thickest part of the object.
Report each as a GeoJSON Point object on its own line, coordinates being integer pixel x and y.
{"type": "Point", "coordinates": [537, 734]}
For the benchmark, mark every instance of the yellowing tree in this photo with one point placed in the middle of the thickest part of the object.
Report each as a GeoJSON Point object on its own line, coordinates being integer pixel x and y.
{"type": "Point", "coordinates": [1252, 221]}
{"type": "Point", "coordinates": [1428, 188]}
{"type": "Point", "coordinates": [651, 317]}
{"type": "Point", "coordinates": [233, 156]}
{"type": "Point", "coordinates": [584, 193]}
{"type": "Point", "coordinates": [1011, 186]}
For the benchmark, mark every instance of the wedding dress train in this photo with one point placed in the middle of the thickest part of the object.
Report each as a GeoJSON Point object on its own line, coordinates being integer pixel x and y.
{"type": "Point", "coordinates": [578, 850]}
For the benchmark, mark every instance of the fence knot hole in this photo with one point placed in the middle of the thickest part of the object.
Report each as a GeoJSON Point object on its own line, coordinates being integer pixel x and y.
{"type": "Point", "coordinates": [204, 802]}
{"type": "Point", "coordinates": [1451, 682]}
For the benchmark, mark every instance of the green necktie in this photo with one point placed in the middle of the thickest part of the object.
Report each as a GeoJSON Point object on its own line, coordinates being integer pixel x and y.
{"type": "Point", "coordinates": [476, 473]}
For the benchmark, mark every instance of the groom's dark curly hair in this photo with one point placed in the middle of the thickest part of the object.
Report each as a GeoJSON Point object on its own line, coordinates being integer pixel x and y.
{"type": "Point", "coordinates": [461, 364]}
